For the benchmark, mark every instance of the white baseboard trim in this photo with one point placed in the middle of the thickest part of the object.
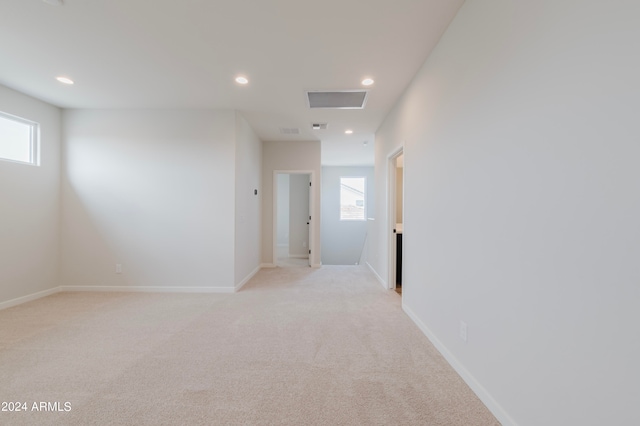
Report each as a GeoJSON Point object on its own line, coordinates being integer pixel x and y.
{"type": "Point", "coordinates": [268, 265]}
{"type": "Point", "coordinates": [28, 298]}
{"type": "Point", "coordinates": [475, 386]}
{"type": "Point", "coordinates": [133, 289]}
{"type": "Point", "coordinates": [316, 265]}
{"type": "Point", "coordinates": [380, 280]}
{"type": "Point", "coordinates": [148, 289]}
{"type": "Point", "coordinates": [247, 278]}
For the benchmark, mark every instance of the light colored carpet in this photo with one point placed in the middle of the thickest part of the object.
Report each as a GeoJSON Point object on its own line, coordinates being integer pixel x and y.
{"type": "Point", "coordinates": [297, 346]}
{"type": "Point", "coordinates": [284, 260]}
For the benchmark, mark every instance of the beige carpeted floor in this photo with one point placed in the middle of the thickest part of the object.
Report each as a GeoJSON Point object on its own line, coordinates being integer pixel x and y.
{"type": "Point", "coordinates": [297, 346]}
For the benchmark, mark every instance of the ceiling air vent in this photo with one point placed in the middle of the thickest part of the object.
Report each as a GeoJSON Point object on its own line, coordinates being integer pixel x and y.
{"type": "Point", "coordinates": [346, 99]}
{"type": "Point", "coordinates": [319, 126]}
{"type": "Point", "coordinates": [289, 130]}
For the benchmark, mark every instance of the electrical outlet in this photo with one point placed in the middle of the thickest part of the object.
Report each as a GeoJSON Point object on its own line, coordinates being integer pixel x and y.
{"type": "Point", "coordinates": [463, 331]}
{"type": "Point", "coordinates": [118, 268]}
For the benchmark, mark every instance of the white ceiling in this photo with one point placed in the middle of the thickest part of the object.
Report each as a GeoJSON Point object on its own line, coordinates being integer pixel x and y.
{"type": "Point", "coordinates": [186, 53]}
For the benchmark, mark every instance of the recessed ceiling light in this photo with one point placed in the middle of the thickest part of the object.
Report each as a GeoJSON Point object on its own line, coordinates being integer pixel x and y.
{"type": "Point", "coordinates": [65, 80]}
{"type": "Point", "coordinates": [367, 82]}
{"type": "Point", "coordinates": [348, 132]}
{"type": "Point", "coordinates": [242, 80]}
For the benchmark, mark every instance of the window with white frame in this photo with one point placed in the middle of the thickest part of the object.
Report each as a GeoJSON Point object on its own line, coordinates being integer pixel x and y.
{"type": "Point", "coordinates": [18, 139]}
{"type": "Point", "coordinates": [352, 198]}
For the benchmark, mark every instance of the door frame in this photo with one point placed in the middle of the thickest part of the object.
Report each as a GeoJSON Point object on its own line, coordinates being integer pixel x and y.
{"type": "Point", "coordinates": [312, 222]}
{"type": "Point", "coordinates": [391, 214]}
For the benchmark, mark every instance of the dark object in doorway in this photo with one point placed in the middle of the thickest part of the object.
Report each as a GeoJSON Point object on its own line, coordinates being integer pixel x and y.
{"type": "Point", "coordinates": [398, 260]}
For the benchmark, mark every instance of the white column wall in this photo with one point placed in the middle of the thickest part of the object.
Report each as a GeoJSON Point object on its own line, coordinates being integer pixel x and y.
{"type": "Point", "coordinates": [248, 205]}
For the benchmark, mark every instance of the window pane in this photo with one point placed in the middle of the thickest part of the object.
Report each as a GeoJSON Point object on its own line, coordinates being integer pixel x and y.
{"type": "Point", "coordinates": [17, 142]}
{"type": "Point", "coordinates": [352, 201]}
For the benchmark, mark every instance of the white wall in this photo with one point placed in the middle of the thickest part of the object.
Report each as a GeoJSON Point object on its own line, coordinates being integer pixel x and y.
{"type": "Point", "coordinates": [299, 215]}
{"type": "Point", "coordinates": [152, 190]}
{"type": "Point", "coordinates": [522, 203]}
{"type": "Point", "coordinates": [287, 155]}
{"type": "Point", "coordinates": [283, 210]}
{"type": "Point", "coordinates": [399, 194]}
{"type": "Point", "coordinates": [248, 179]}
{"type": "Point", "coordinates": [30, 205]}
{"type": "Point", "coordinates": [343, 240]}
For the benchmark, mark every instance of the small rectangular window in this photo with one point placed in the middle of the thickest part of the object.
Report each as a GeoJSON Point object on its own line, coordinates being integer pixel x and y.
{"type": "Point", "coordinates": [352, 198]}
{"type": "Point", "coordinates": [18, 139]}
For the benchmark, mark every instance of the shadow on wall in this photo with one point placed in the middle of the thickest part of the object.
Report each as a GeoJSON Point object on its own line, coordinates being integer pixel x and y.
{"type": "Point", "coordinates": [159, 215]}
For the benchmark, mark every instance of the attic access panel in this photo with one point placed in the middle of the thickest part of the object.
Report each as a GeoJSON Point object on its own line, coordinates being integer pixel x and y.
{"type": "Point", "coordinates": [345, 99]}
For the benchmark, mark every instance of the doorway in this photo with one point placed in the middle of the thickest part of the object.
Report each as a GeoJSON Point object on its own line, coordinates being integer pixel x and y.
{"type": "Point", "coordinates": [396, 218]}
{"type": "Point", "coordinates": [292, 218]}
